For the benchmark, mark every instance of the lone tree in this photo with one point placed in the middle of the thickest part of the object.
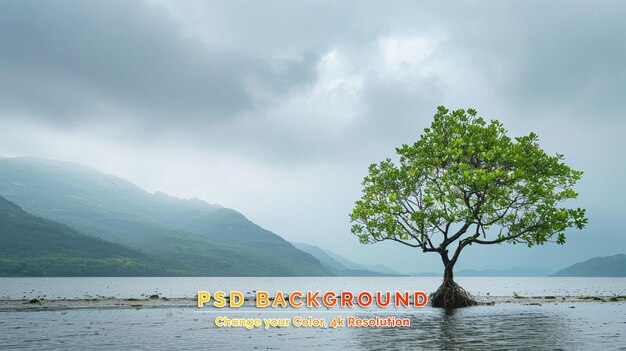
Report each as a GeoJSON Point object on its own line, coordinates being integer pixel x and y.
{"type": "Point", "coordinates": [466, 182]}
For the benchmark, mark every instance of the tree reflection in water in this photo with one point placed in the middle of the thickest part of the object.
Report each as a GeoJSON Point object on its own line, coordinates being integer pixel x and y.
{"type": "Point", "coordinates": [479, 328]}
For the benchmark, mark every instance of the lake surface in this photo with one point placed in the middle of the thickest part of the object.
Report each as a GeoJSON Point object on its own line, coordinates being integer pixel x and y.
{"type": "Point", "coordinates": [564, 326]}
{"type": "Point", "coordinates": [68, 288]}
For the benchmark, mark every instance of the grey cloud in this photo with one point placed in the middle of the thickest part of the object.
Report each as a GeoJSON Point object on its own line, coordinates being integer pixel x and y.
{"type": "Point", "coordinates": [239, 80]}
{"type": "Point", "coordinates": [67, 61]}
{"type": "Point", "coordinates": [538, 55]}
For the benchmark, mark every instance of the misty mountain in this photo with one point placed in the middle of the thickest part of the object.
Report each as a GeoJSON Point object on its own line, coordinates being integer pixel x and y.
{"type": "Point", "coordinates": [188, 235]}
{"type": "Point", "coordinates": [511, 272]}
{"type": "Point", "coordinates": [378, 268]}
{"type": "Point", "coordinates": [33, 246]}
{"type": "Point", "coordinates": [426, 274]}
{"type": "Point", "coordinates": [342, 266]}
{"type": "Point", "coordinates": [609, 266]}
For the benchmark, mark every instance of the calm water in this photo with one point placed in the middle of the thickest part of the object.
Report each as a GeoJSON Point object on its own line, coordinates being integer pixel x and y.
{"type": "Point", "coordinates": [597, 326]}
{"type": "Point", "coordinates": [17, 288]}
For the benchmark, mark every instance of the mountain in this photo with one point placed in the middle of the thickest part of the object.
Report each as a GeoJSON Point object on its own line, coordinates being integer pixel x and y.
{"type": "Point", "coordinates": [33, 246]}
{"type": "Point", "coordinates": [377, 268]}
{"type": "Point", "coordinates": [190, 236]}
{"type": "Point", "coordinates": [511, 272]}
{"type": "Point", "coordinates": [330, 261]}
{"type": "Point", "coordinates": [426, 274]}
{"type": "Point", "coordinates": [609, 266]}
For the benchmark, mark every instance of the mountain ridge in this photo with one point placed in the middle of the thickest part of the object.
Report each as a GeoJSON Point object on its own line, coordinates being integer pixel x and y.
{"type": "Point", "coordinates": [192, 235]}
{"type": "Point", "coordinates": [602, 266]}
{"type": "Point", "coordinates": [337, 266]}
{"type": "Point", "coordinates": [35, 246]}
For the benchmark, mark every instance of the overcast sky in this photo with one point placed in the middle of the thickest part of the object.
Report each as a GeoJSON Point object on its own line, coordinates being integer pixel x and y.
{"type": "Point", "coordinates": [276, 108]}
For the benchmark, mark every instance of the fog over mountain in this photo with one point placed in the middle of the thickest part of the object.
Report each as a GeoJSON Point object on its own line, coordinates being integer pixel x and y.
{"type": "Point", "coordinates": [276, 108]}
{"type": "Point", "coordinates": [186, 237]}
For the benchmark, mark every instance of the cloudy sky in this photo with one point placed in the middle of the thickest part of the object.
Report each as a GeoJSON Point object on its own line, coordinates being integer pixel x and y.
{"type": "Point", "coordinates": [276, 108]}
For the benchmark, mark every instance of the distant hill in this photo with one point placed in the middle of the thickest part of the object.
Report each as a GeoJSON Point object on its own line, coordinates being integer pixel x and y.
{"type": "Point", "coordinates": [378, 268]}
{"type": "Point", "coordinates": [33, 246]}
{"type": "Point", "coordinates": [426, 274]}
{"type": "Point", "coordinates": [342, 266]}
{"type": "Point", "coordinates": [609, 266]}
{"type": "Point", "coordinates": [512, 272]}
{"type": "Point", "coordinates": [189, 236]}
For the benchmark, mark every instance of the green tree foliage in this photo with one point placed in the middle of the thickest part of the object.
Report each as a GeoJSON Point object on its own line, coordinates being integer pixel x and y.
{"type": "Point", "coordinates": [466, 182]}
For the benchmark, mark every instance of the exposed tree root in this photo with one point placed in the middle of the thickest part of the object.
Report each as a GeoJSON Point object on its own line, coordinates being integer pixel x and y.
{"type": "Point", "coordinates": [451, 295]}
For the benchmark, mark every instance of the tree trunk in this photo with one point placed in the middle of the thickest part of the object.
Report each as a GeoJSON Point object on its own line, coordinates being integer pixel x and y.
{"type": "Point", "coordinates": [448, 274]}
{"type": "Point", "coordinates": [450, 294]}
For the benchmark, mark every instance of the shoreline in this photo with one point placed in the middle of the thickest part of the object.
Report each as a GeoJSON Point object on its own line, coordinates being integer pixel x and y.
{"type": "Point", "coordinates": [134, 303]}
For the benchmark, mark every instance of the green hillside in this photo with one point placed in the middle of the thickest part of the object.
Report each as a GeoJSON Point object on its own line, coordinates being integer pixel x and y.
{"type": "Point", "coordinates": [190, 236]}
{"type": "Point", "coordinates": [33, 246]}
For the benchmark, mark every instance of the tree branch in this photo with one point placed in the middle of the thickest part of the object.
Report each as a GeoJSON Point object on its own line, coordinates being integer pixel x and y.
{"type": "Point", "coordinates": [457, 234]}
{"type": "Point", "coordinates": [508, 237]}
